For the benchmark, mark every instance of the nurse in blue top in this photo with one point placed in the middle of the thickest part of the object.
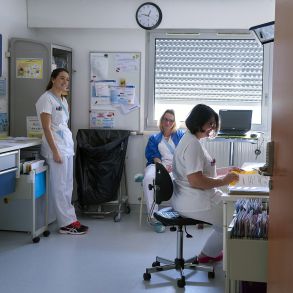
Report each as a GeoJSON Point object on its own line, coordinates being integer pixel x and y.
{"type": "Point", "coordinates": [58, 149]}
{"type": "Point", "coordinates": [160, 148]}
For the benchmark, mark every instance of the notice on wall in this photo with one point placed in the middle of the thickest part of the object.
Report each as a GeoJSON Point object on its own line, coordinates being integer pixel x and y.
{"type": "Point", "coordinates": [33, 127]}
{"type": "Point", "coordinates": [29, 68]}
{"type": "Point", "coordinates": [3, 124]}
{"type": "Point", "coordinates": [101, 92]}
{"type": "Point", "coordinates": [3, 87]}
{"type": "Point", "coordinates": [102, 119]}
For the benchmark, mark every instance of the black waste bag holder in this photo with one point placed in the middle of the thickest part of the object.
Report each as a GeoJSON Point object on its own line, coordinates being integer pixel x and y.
{"type": "Point", "coordinates": [99, 166]}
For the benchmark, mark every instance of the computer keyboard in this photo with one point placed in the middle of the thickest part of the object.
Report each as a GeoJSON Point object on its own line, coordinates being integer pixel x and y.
{"type": "Point", "coordinates": [232, 134]}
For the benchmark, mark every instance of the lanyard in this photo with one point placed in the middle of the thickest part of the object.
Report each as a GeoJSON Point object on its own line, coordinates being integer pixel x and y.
{"type": "Point", "coordinates": [60, 103]}
{"type": "Point", "coordinates": [171, 149]}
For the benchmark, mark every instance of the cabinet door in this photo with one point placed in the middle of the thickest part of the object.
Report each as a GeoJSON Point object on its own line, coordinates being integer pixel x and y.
{"type": "Point", "coordinates": [30, 68]}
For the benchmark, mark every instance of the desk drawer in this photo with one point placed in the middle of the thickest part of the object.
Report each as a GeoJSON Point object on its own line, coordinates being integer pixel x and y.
{"type": "Point", "coordinates": [8, 160]}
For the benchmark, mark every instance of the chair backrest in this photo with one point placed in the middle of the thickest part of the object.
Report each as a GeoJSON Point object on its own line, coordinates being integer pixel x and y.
{"type": "Point", "coordinates": [163, 184]}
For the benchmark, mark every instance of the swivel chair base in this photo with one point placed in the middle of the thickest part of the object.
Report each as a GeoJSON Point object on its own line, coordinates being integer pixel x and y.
{"type": "Point", "coordinates": [179, 264]}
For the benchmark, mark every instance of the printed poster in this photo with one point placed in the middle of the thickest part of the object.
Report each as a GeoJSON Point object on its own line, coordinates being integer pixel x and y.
{"type": "Point", "coordinates": [29, 68]}
{"type": "Point", "coordinates": [33, 127]}
{"type": "Point", "coordinates": [102, 119]}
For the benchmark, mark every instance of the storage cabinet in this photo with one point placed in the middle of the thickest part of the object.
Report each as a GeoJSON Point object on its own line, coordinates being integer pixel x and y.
{"type": "Point", "coordinates": [244, 259]}
{"type": "Point", "coordinates": [247, 260]}
{"type": "Point", "coordinates": [26, 209]}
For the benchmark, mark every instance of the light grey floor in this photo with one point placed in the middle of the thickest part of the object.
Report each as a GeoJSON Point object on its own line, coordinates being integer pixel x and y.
{"type": "Point", "coordinates": [112, 257]}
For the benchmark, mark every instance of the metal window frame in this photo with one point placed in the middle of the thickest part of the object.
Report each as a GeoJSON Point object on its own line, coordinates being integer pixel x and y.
{"type": "Point", "coordinates": [149, 120]}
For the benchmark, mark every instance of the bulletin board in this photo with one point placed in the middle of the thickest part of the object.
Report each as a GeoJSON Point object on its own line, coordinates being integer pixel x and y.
{"type": "Point", "coordinates": [115, 90]}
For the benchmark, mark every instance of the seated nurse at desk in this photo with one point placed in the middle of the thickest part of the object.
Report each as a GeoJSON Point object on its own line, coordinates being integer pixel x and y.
{"type": "Point", "coordinates": [195, 180]}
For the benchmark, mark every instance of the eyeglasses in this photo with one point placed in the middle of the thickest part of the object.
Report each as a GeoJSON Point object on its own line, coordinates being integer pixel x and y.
{"type": "Point", "coordinates": [212, 124]}
{"type": "Point", "coordinates": [168, 120]}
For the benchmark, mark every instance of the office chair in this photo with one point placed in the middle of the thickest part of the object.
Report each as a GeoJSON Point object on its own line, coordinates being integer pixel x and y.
{"type": "Point", "coordinates": [163, 190]}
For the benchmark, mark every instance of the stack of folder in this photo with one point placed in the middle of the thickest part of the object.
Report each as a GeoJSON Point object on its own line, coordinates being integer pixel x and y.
{"type": "Point", "coordinates": [28, 166]}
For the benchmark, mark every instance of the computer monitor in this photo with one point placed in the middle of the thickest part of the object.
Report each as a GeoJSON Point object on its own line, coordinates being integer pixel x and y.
{"type": "Point", "coordinates": [235, 121]}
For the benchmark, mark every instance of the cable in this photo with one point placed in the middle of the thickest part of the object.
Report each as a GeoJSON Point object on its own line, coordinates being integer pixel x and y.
{"type": "Point", "coordinates": [257, 151]}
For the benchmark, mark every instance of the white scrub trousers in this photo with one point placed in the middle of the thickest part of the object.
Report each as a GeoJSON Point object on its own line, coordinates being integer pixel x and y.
{"type": "Point", "coordinates": [60, 189]}
{"type": "Point", "coordinates": [149, 176]}
{"type": "Point", "coordinates": [214, 243]}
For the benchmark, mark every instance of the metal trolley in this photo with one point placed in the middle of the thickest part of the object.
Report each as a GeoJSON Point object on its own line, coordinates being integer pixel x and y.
{"type": "Point", "coordinates": [99, 170]}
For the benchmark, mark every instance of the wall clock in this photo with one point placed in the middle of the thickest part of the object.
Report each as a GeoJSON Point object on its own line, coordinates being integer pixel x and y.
{"type": "Point", "coordinates": [148, 15]}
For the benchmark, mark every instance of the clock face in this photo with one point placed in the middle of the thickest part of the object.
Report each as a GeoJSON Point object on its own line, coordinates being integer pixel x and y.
{"type": "Point", "coordinates": [148, 15]}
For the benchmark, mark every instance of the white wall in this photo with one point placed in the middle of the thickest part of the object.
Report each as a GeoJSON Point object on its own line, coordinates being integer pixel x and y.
{"type": "Point", "coordinates": [13, 23]}
{"type": "Point", "coordinates": [119, 14]}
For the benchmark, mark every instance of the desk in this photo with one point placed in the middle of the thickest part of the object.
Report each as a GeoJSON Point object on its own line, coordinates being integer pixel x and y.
{"type": "Point", "coordinates": [16, 144]}
{"type": "Point", "coordinates": [231, 140]}
{"type": "Point", "coordinates": [241, 253]}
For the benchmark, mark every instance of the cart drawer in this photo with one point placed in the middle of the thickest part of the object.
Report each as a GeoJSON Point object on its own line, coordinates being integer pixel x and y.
{"type": "Point", "coordinates": [7, 181]}
{"type": "Point", "coordinates": [8, 160]}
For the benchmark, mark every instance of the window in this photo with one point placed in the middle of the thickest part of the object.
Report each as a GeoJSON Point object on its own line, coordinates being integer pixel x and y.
{"type": "Point", "coordinates": [223, 70]}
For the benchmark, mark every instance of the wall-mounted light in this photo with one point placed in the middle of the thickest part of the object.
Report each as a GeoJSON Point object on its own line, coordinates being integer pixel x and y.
{"type": "Point", "coordinates": [264, 32]}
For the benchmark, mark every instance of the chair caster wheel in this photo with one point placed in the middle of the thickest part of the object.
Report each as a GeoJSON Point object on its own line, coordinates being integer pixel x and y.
{"type": "Point", "coordinates": [146, 276]}
{"type": "Point", "coordinates": [127, 210]}
{"type": "Point", "coordinates": [211, 275]}
{"type": "Point", "coordinates": [181, 282]}
{"type": "Point", "coordinates": [46, 233]}
{"type": "Point", "coordinates": [36, 239]}
{"type": "Point", "coordinates": [156, 264]}
{"type": "Point", "coordinates": [117, 218]}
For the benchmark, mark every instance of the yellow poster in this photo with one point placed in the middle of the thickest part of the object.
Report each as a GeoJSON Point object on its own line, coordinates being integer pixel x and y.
{"type": "Point", "coordinates": [29, 68]}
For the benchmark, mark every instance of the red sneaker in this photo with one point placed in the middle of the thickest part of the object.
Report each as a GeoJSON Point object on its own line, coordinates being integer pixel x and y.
{"type": "Point", "coordinates": [207, 259]}
{"type": "Point", "coordinates": [74, 228]}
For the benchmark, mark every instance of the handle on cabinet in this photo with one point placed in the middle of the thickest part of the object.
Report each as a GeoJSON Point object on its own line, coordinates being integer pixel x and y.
{"type": "Point", "coordinates": [8, 171]}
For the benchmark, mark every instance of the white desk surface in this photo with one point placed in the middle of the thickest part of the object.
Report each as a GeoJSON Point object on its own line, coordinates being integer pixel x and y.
{"type": "Point", "coordinates": [16, 143]}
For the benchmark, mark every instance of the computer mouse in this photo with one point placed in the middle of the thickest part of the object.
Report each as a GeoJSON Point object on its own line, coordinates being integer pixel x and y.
{"type": "Point", "coordinates": [253, 135]}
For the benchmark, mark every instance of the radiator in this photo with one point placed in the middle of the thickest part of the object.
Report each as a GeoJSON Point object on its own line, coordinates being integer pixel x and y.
{"type": "Point", "coordinates": [243, 152]}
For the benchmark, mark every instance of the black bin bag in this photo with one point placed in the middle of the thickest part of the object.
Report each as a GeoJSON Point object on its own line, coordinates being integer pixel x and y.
{"type": "Point", "coordinates": [99, 163]}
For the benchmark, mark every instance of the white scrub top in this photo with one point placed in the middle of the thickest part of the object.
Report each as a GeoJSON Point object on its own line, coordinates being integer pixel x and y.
{"type": "Point", "coordinates": [165, 151]}
{"type": "Point", "coordinates": [48, 103]}
{"type": "Point", "coordinates": [191, 157]}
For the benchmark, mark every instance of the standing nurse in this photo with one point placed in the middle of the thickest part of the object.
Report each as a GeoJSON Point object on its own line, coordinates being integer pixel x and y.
{"type": "Point", "coordinates": [58, 149]}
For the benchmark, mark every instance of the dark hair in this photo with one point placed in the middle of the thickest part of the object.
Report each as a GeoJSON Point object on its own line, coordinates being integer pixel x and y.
{"type": "Point", "coordinates": [172, 112]}
{"type": "Point", "coordinates": [199, 116]}
{"type": "Point", "coordinates": [54, 75]}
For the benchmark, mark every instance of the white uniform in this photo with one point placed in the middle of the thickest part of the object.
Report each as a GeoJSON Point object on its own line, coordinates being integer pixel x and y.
{"type": "Point", "coordinates": [206, 205]}
{"type": "Point", "coordinates": [150, 172]}
{"type": "Point", "coordinates": [61, 175]}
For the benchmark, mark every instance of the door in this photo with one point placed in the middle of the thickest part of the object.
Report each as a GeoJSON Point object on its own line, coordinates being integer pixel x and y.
{"type": "Point", "coordinates": [281, 196]}
{"type": "Point", "coordinates": [62, 58]}
{"type": "Point", "coordinates": [30, 67]}
{"type": "Point", "coordinates": [31, 63]}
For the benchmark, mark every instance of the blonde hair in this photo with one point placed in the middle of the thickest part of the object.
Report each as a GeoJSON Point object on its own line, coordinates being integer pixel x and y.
{"type": "Point", "coordinates": [174, 127]}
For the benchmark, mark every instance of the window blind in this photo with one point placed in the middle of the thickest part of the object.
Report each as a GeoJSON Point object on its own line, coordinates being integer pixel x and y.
{"type": "Point", "coordinates": [208, 70]}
